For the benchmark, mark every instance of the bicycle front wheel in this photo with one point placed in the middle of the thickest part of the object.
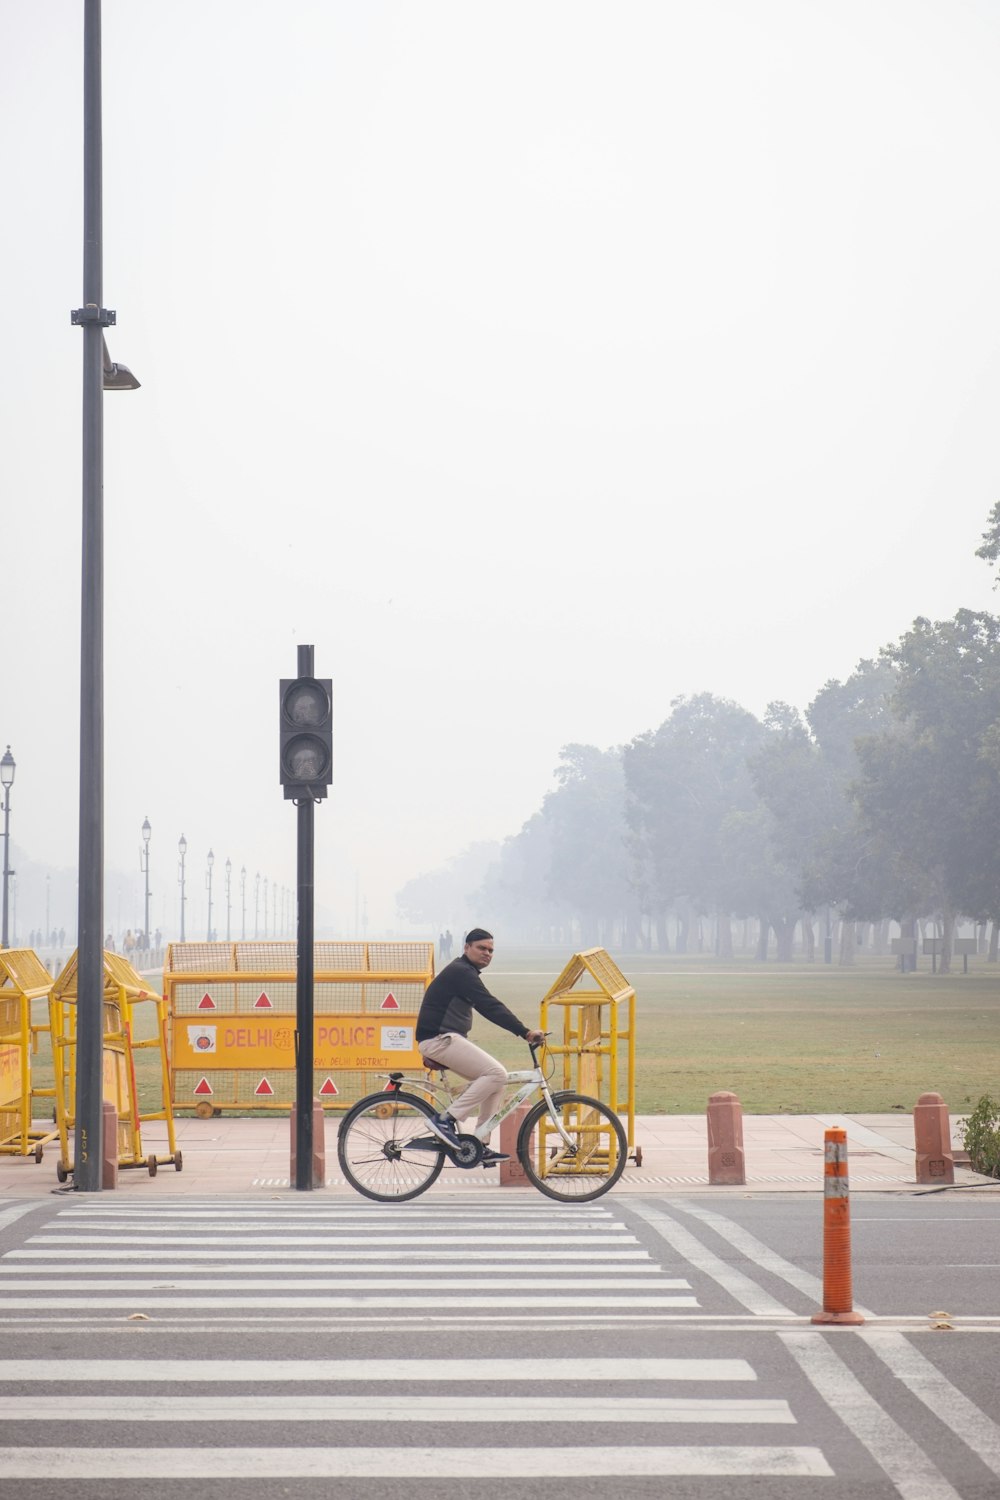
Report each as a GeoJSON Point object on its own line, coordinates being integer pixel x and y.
{"type": "Point", "coordinates": [578, 1158]}
{"type": "Point", "coordinates": [376, 1151]}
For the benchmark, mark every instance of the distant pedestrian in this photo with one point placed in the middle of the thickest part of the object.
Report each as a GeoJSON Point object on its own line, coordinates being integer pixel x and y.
{"type": "Point", "coordinates": [109, 944]}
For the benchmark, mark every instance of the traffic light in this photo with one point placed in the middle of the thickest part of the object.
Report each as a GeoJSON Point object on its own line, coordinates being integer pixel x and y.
{"type": "Point", "coordinates": [306, 736]}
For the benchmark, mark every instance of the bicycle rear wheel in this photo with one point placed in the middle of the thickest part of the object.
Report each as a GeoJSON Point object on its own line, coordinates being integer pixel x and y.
{"type": "Point", "coordinates": [376, 1152]}
{"type": "Point", "coordinates": [592, 1162]}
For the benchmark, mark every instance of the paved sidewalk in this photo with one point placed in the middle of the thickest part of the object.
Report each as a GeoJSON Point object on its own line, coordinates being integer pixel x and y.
{"type": "Point", "coordinates": [783, 1154]}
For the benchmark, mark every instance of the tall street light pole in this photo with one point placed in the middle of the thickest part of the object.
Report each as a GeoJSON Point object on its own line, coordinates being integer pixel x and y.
{"type": "Point", "coordinates": [99, 374]}
{"type": "Point", "coordinates": [182, 846]}
{"type": "Point", "coordinates": [256, 905]}
{"type": "Point", "coordinates": [208, 882]}
{"type": "Point", "coordinates": [144, 864]}
{"type": "Point", "coordinates": [8, 765]}
{"type": "Point", "coordinates": [243, 899]}
{"type": "Point", "coordinates": [229, 871]}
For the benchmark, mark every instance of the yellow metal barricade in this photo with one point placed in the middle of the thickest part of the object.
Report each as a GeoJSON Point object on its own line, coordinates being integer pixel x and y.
{"type": "Point", "coordinates": [124, 992]}
{"type": "Point", "coordinates": [232, 1021]}
{"type": "Point", "coordinates": [590, 1011]}
{"type": "Point", "coordinates": [23, 980]}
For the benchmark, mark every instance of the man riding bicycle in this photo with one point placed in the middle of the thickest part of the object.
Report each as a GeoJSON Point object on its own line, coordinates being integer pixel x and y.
{"type": "Point", "coordinates": [443, 1027]}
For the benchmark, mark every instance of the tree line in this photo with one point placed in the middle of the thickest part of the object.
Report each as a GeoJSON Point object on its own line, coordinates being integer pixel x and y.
{"type": "Point", "coordinates": [879, 804]}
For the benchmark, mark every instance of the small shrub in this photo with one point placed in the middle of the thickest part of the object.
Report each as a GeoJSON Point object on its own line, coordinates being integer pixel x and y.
{"type": "Point", "coordinates": [981, 1137]}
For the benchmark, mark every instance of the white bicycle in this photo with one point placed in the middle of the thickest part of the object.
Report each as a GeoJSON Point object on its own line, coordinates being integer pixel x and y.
{"type": "Point", "coordinates": [571, 1148]}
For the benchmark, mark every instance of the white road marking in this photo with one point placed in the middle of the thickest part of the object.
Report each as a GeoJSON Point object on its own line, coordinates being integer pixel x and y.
{"type": "Point", "coordinates": [130, 1284]}
{"type": "Point", "coordinates": [895, 1452]}
{"type": "Point", "coordinates": [416, 1463]}
{"type": "Point", "coordinates": [960, 1415]}
{"type": "Point", "coordinates": [157, 1238]}
{"type": "Point", "coordinates": [11, 1215]}
{"type": "Point", "coordinates": [399, 1408]}
{"type": "Point", "coordinates": [354, 1267]}
{"type": "Point", "coordinates": [275, 1371]}
{"type": "Point", "coordinates": [761, 1254]}
{"type": "Point", "coordinates": [740, 1287]}
{"type": "Point", "coordinates": [340, 1215]}
{"type": "Point", "coordinates": [373, 1251]}
{"type": "Point", "coordinates": [144, 1302]}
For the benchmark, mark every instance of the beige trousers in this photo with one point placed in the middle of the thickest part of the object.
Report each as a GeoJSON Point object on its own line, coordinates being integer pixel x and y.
{"type": "Point", "coordinates": [488, 1078]}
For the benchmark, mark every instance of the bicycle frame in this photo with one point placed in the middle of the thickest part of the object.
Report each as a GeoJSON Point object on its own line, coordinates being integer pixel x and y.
{"type": "Point", "coordinates": [530, 1079]}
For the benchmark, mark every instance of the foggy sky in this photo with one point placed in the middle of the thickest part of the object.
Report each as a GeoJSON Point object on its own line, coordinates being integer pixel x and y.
{"type": "Point", "coordinates": [538, 362]}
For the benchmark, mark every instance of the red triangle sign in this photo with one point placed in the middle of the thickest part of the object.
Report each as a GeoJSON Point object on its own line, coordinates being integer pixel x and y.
{"type": "Point", "coordinates": [390, 1088]}
{"type": "Point", "coordinates": [390, 1002]}
{"type": "Point", "coordinates": [206, 1002]}
{"type": "Point", "coordinates": [204, 1087]}
{"type": "Point", "coordinates": [329, 1088]}
{"type": "Point", "coordinates": [262, 1002]}
{"type": "Point", "coordinates": [263, 1087]}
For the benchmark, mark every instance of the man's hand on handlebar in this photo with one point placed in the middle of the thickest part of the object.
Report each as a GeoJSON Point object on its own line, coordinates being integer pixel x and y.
{"type": "Point", "coordinates": [535, 1037]}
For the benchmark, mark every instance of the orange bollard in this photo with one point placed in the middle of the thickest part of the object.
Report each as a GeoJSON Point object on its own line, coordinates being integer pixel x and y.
{"type": "Point", "coordinates": [932, 1140]}
{"type": "Point", "coordinates": [511, 1172]}
{"type": "Point", "coordinates": [726, 1166]}
{"type": "Point", "coordinates": [837, 1293]}
{"type": "Point", "coordinates": [319, 1146]}
{"type": "Point", "coordinates": [109, 1145]}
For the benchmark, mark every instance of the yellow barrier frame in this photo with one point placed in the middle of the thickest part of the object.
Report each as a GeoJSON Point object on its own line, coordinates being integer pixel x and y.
{"type": "Point", "coordinates": [124, 988]}
{"type": "Point", "coordinates": [588, 1039]}
{"type": "Point", "coordinates": [23, 979]}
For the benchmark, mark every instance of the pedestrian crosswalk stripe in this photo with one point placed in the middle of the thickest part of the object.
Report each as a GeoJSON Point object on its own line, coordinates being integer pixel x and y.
{"type": "Point", "coordinates": [444, 1300]}
{"type": "Point", "coordinates": [78, 1463]}
{"type": "Point", "coordinates": [622, 1258]}
{"type": "Point", "coordinates": [290, 1212]}
{"type": "Point", "coordinates": [190, 1266]}
{"type": "Point", "coordinates": [252, 1282]}
{"type": "Point", "coordinates": [402, 1408]}
{"type": "Point", "coordinates": [250, 1371]}
{"type": "Point", "coordinates": [157, 1237]}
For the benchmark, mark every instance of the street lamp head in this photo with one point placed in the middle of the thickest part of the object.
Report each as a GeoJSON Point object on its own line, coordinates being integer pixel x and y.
{"type": "Point", "coordinates": [229, 866]}
{"type": "Point", "coordinates": [117, 377]}
{"type": "Point", "coordinates": [211, 859]}
{"type": "Point", "coordinates": [182, 845]}
{"type": "Point", "coordinates": [7, 765]}
{"type": "Point", "coordinates": [146, 830]}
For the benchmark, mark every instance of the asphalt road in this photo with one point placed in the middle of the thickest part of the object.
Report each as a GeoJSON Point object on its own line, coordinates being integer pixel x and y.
{"type": "Point", "coordinates": [640, 1346]}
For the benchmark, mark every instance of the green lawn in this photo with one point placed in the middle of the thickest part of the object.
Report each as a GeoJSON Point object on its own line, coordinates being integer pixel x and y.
{"type": "Point", "coordinates": [785, 1039]}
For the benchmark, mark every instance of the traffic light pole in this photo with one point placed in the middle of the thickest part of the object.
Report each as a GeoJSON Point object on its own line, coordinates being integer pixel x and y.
{"type": "Point", "coordinates": [304, 971]}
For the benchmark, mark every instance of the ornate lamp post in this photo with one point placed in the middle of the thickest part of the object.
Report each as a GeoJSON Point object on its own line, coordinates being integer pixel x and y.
{"type": "Point", "coordinates": [208, 882]}
{"type": "Point", "coordinates": [7, 768]}
{"type": "Point", "coordinates": [182, 845]}
{"type": "Point", "coordinates": [144, 866]}
{"type": "Point", "coordinates": [243, 902]}
{"type": "Point", "coordinates": [229, 872]}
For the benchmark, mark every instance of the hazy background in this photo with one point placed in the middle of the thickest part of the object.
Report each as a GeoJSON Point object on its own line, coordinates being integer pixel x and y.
{"type": "Point", "coordinates": [538, 362]}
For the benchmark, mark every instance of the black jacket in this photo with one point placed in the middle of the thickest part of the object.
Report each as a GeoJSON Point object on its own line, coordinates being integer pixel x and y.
{"type": "Point", "coordinates": [451, 998]}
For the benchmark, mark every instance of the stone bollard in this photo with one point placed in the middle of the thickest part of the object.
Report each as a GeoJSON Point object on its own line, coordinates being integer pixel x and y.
{"type": "Point", "coordinates": [932, 1140]}
{"type": "Point", "coordinates": [319, 1145]}
{"type": "Point", "coordinates": [109, 1146]}
{"type": "Point", "coordinates": [726, 1166]}
{"type": "Point", "coordinates": [511, 1172]}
